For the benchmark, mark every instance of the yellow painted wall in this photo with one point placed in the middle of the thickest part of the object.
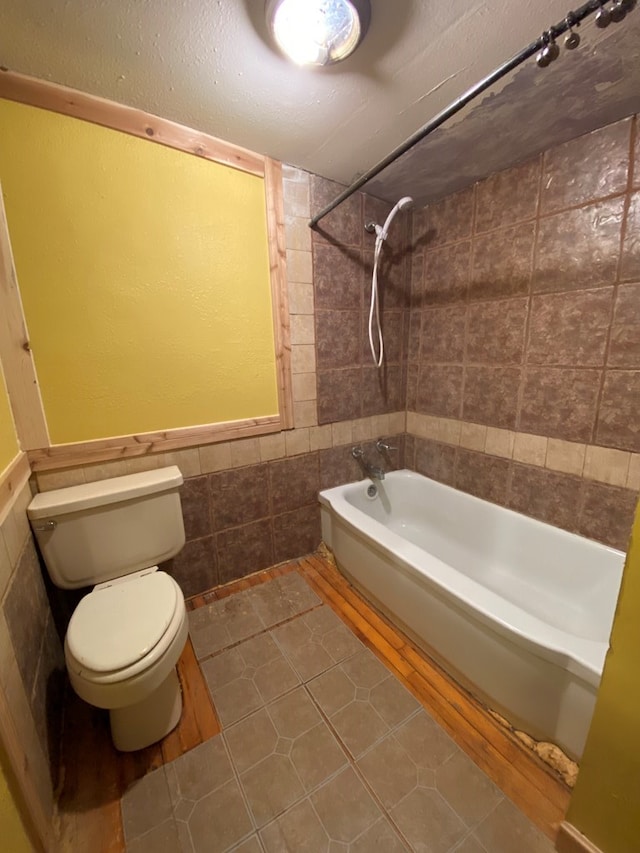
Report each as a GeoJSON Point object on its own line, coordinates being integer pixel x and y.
{"type": "Point", "coordinates": [606, 802]}
{"type": "Point", "coordinates": [12, 832]}
{"type": "Point", "coordinates": [144, 274]}
{"type": "Point", "coordinates": [8, 441]}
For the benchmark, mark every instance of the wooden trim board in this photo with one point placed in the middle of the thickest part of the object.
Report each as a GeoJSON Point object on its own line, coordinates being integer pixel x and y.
{"type": "Point", "coordinates": [123, 447]}
{"type": "Point", "coordinates": [12, 479]}
{"type": "Point", "coordinates": [96, 775]}
{"type": "Point", "coordinates": [15, 352]}
{"type": "Point", "coordinates": [95, 780]}
{"type": "Point", "coordinates": [571, 840]}
{"type": "Point", "coordinates": [279, 294]}
{"type": "Point", "coordinates": [72, 102]}
{"type": "Point", "coordinates": [517, 771]}
{"type": "Point", "coordinates": [536, 789]}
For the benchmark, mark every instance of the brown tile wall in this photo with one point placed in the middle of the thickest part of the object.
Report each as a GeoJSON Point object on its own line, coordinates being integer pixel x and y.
{"type": "Point", "coordinates": [525, 316]}
{"type": "Point", "coordinates": [32, 669]}
{"type": "Point", "coordinates": [596, 510]}
{"type": "Point", "coordinates": [242, 520]}
{"type": "Point", "coordinates": [349, 386]}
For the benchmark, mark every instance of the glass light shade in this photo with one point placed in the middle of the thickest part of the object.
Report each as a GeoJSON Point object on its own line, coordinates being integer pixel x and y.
{"type": "Point", "coordinates": [317, 32]}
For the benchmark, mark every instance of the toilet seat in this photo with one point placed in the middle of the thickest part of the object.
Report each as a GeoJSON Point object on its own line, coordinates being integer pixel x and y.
{"type": "Point", "coordinates": [122, 627]}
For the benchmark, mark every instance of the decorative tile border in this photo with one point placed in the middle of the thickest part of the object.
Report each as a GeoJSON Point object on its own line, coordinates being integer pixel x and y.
{"type": "Point", "coordinates": [591, 462]}
{"type": "Point", "coordinates": [233, 454]}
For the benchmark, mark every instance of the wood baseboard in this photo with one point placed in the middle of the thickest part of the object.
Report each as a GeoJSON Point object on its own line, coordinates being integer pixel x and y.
{"type": "Point", "coordinates": [571, 840]}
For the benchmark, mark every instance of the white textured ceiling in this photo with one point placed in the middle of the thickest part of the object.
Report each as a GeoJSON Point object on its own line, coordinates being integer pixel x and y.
{"type": "Point", "coordinates": [209, 64]}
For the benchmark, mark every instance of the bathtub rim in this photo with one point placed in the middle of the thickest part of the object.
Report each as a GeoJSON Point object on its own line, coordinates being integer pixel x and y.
{"type": "Point", "coordinates": [581, 657]}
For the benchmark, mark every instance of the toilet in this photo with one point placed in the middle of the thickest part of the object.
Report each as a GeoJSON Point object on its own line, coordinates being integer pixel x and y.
{"type": "Point", "coordinates": [125, 637]}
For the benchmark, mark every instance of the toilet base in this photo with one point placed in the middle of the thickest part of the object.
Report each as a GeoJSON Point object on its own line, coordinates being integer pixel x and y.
{"type": "Point", "coordinates": [137, 726]}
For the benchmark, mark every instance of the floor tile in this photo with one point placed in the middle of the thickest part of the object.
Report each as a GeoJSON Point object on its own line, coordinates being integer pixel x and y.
{"type": "Point", "coordinates": [294, 714]}
{"type": "Point", "coordinates": [422, 738]}
{"type": "Point", "coordinates": [506, 829]}
{"type": "Point", "coordinates": [146, 804]}
{"type": "Point", "coordinates": [466, 788]}
{"type": "Point", "coordinates": [332, 690]}
{"type": "Point", "coordinates": [251, 740]}
{"type": "Point", "coordinates": [235, 699]}
{"type": "Point", "coordinates": [428, 822]}
{"type": "Point", "coordinates": [362, 700]}
{"type": "Point", "coordinates": [280, 778]}
{"type": "Point", "coordinates": [365, 670]}
{"type": "Point", "coordinates": [163, 837]}
{"type": "Point", "coordinates": [381, 837]}
{"type": "Point", "coordinates": [247, 676]}
{"type": "Point", "coordinates": [393, 702]}
{"type": "Point", "coordinates": [358, 726]}
{"type": "Point", "coordinates": [316, 756]}
{"type": "Point", "coordinates": [298, 829]}
{"type": "Point", "coordinates": [219, 820]}
{"type": "Point", "coordinates": [469, 845]}
{"type": "Point", "coordinates": [316, 641]}
{"type": "Point", "coordinates": [282, 598]}
{"type": "Point", "coordinates": [389, 771]}
{"type": "Point", "coordinates": [271, 786]}
{"type": "Point", "coordinates": [222, 623]}
{"type": "Point", "coordinates": [251, 845]}
{"type": "Point", "coordinates": [345, 807]}
{"type": "Point", "coordinates": [198, 772]}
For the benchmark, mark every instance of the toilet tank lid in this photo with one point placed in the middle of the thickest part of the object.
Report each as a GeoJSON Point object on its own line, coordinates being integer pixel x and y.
{"type": "Point", "coordinates": [113, 490]}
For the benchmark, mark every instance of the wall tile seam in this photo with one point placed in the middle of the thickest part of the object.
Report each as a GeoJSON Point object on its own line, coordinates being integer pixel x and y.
{"type": "Point", "coordinates": [619, 268]}
{"type": "Point", "coordinates": [516, 223]}
{"type": "Point", "coordinates": [270, 517]}
{"type": "Point", "coordinates": [634, 179]}
{"type": "Point", "coordinates": [582, 522]}
{"type": "Point", "coordinates": [629, 478]}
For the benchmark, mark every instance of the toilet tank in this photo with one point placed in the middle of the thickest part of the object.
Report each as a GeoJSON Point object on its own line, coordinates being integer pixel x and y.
{"type": "Point", "coordinates": [96, 532]}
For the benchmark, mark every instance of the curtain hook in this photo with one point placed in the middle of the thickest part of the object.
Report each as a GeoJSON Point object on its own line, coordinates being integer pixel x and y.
{"type": "Point", "coordinates": [603, 16]}
{"type": "Point", "coordinates": [572, 39]}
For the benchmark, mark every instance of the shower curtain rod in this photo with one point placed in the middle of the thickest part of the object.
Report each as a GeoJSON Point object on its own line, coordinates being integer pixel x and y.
{"type": "Point", "coordinates": [548, 37]}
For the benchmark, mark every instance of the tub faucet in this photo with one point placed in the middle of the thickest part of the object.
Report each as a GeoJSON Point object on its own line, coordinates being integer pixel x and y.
{"type": "Point", "coordinates": [383, 446]}
{"type": "Point", "coordinates": [372, 471]}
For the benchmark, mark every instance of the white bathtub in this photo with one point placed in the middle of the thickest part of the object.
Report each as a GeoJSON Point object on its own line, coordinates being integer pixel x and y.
{"type": "Point", "coordinates": [518, 610]}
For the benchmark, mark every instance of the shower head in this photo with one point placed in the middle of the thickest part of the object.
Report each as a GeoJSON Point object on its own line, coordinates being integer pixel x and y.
{"type": "Point", "coordinates": [381, 230]}
{"type": "Point", "coordinates": [403, 204]}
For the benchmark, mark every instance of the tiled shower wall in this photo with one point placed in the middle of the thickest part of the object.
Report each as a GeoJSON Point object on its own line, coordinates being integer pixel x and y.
{"type": "Point", "coordinates": [251, 503]}
{"type": "Point", "coordinates": [31, 660]}
{"type": "Point", "coordinates": [524, 353]}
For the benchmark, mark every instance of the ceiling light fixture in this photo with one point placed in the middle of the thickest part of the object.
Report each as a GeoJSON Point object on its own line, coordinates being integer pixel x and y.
{"type": "Point", "coordinates": [318, 32]}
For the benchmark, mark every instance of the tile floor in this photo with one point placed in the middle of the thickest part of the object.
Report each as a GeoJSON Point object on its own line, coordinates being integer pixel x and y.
{"type": "Point", "coordinates": [322, 749]}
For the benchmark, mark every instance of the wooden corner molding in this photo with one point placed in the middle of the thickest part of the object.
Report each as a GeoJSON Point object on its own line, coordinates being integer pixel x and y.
{"type": "Point", "coordinates": [279, 293]}
{"type": "Point", "coordinates": [127, 446]}
{"type": "Point", "coordinates": [571, 840]}
{"type": "Point", "coordinates": [12, 479]}
{"type": "Point", "coordinates": [72, 102]}
{"type": "Point", "coordinates": [15, 353]}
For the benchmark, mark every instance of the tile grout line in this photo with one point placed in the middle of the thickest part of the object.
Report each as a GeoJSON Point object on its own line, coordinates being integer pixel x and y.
{"type": "Point", "coordinates": [236, 643]}
{"type": "Point", "coordinates": [351, 760]}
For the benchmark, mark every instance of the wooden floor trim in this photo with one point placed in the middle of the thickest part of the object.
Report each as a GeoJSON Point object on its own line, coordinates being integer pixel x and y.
{"type": "Point", "coordinates": [517, 771]}
{"type": "Point", "coordinates": [571, 840]}
{"type": "Point", "coordinates": [95, 775]}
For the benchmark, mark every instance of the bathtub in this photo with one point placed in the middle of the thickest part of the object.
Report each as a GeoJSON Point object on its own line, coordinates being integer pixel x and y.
{"type": "Point", "coordinates": [518, 611]}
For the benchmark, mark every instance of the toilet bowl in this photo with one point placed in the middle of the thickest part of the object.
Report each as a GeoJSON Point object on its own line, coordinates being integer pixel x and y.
{"type": "Point", "coordinates": [125, 637]}
{"type": "Point", "coordinates": [132, 674]}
